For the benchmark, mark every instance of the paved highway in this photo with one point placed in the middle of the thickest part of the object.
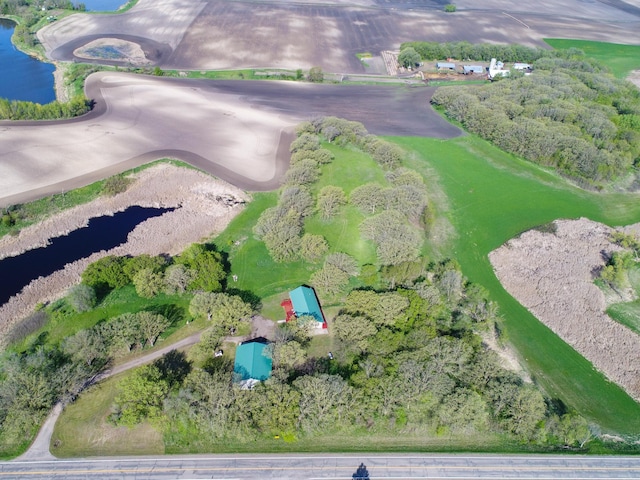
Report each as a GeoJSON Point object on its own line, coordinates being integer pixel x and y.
{"type": "Point", "coordinates": [330, 467]}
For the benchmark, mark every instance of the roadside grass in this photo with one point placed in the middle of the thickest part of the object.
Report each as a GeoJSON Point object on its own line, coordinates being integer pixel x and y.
{"type": "Point", "coordinates": [620, 59]}
{"type": "Point", "coordinates": [492, 197]}
{"type": "Point", "coordinates": [83, 429]}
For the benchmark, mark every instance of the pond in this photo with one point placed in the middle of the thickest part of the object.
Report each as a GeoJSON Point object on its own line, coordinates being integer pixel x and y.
{"type": "Point", "coordinates": [23, 77]}
{"type": "Point", "coordinates": [103, 5]}
{"type": "Point", "coordinates": [102, 233]}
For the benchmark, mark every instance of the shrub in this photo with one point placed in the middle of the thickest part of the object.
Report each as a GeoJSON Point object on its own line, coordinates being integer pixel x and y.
{"type": "Point", "coordinates": [115, 185]}
{"type": "Point", "coordinates": [450, 7]}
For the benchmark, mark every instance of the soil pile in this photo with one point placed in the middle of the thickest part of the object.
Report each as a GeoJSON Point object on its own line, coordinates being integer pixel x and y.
{"type": "Point", "coordinates": [552, 273]}
{"type": "Point", "coordinates": [203, 207]}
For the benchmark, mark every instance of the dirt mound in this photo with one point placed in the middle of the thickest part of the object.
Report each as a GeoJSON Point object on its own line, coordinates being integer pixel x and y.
{"type": "Point", "coordinates": [552, 275]}
{"type": "Point", "coordinates": [205, 207]}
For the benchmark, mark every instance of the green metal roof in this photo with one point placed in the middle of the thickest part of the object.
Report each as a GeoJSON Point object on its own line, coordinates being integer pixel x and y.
{"type": "Point", "coordinates": [305, 302]}
{"type": "Point", "coordinates": [251, 363]}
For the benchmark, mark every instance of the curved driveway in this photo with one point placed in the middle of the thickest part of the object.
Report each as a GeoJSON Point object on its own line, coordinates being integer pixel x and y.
{"type": "Point", "coordinates": [236, 130]}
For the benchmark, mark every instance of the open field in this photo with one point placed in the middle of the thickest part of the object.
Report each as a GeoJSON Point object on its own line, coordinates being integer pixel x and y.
{"type": "Point", "coordinates": [492, 198]}
{"type": "Point", "coordinates": [176, 34]}
{"type": "Point", "coordinates": [235, 130]}
{"type": "Point", "coordinates": [620, 59]}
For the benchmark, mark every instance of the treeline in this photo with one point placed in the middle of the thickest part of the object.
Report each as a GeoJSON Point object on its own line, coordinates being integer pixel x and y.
{"type": "Point", "coordinates": [569, 114]}
{"type": "Point", "coordinates": [392, 211]}
{"type": "Point", "coordinates": [477, 51]}
{"type": "Point", "coordinates": [22, 110]}
{"type": "Point", "coordinates": [406, 362]}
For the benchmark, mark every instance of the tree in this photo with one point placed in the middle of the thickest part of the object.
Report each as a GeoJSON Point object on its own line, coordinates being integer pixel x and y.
{"type": "Point", "coordinates": [329, 279]}
{"type": "Point", "coordinates": [409, 58]}
{"type": "Point", "coordinates": [148, 283]}
{"type": "Point", "coordinates": [450, 8]}
{"type": "Point", "coordinates": [141, 395]}
{"type": "Point", "coordinates": [369, 198]}
{"type": "Point", "coordinates": [177, 278]}
{"type": "Point", "coordinates": [354, 330]}
{"type": "Point", "coordinates": [288, 355]}
{"type": "Point", "coordinates": [220, 308]}
{"type": "Point", "coordinates": [313, 247]}
{"type": "Point", "coordinates": [107, 272]}
{"type": "Point", "coordinates": [82, 297]}
{"type": "Point", "coordinates": [396, 241]}
{"type": "Point", "coordinates": [330, 199]}
{"type": "Point", "coordinates": [86, 346]}
{"type": "Point", "coordinates": [343, 262]}
{"type": "Point", "coordinates": [315, 75]}
{"type": "Point", "coordinates": [207, 265]}
{"type": "Point", "coordinates": [305, 141]}
{"type": "Point", "coordinates": [151, 325]}
{"type": "Point", "coordinates": [303, 172]}
{"type": "Point", "coordinates": [464, 411]}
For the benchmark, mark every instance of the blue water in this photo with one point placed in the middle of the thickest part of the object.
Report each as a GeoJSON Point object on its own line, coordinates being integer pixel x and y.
{"type": "Point", "coordinates": [102, 5]}
{"type": "Point", "coordinates": [102, 233]}
{"type": "Point", "coordinates": [21, 76]}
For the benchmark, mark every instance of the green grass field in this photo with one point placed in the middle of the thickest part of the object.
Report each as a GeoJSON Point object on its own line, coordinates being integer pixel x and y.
{"type": "Point", "coordinates": [620, 59]}
{"type": "Point", "coordinates": [493, 196]}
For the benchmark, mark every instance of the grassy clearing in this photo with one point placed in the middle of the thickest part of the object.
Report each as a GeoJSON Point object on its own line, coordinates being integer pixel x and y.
{"type": "Point", "coordinates": [493, 196]}
{"type": "Point", "coordinates": [620, 59]}
{"type": "Point", "coordinates": [251, 262]}
{"type": "Point", "coordinates": [72, 438]}
{"type": "Point", "coordinates": [628, 314]}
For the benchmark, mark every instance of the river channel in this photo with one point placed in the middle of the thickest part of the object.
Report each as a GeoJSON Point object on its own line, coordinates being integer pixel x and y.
{"type": "Point", "coordinates": [102, 233]}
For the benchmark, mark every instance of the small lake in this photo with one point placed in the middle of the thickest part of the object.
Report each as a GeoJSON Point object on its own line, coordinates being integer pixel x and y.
{"type": "Point", "coordinates": [21, 76]}
{"type": "Point", "coordinates": [102, 233]}
{"type": "Point", "coordinates": [103, 5]}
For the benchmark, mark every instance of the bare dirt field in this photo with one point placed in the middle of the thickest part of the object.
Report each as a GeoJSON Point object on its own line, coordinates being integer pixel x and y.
{"type": "Point", "coordinates": [236, 130]}
{"type": "Point", "coordinates": [220, 34]}
{"type": "Point", "coordinates": [204, 204]}
{"type": "Point", "coordinates": [552, 275]}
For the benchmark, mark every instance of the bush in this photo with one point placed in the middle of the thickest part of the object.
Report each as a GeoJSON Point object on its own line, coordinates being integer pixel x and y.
{"type": "Point", "coordinates": [115, 185]}
{"type": "Point", "coordinates": [450, 7]}
{"type": "Point", "coordinates": [82, 298]}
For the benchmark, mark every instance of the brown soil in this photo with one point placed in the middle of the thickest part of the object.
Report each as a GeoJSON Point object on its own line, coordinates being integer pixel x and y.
{"type": "Point", "coordinates": [206, 206]}
{"type": "Point", "coordinates": [552, 275]}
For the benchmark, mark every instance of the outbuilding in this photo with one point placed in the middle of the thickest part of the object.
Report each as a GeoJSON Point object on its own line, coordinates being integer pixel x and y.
{"type": "Point", "coordinates": [445, 65]}
{"type": "Point", "coordinates": [469, 69]}
{"type": "Point", "coordinates": [304, 302]}
{"type": "Point", "coordinates": [252, 363]}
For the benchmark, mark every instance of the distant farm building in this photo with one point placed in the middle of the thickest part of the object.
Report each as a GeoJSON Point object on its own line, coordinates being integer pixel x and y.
{"type": "Point", "coordinates": [251, 364]}
{"type": "Point", "coordinates": [496, 69]}
{"type": "Point", "coordinates": [521, 66]}
{"type": "Point", "coordinates": [446, 66]}
{"type": "Point", "coordinates": [303, 302]}
{"type": "Point", "coordinates": [469, 69]}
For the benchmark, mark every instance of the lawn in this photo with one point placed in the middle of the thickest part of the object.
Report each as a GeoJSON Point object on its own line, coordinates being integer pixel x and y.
{"type": "Point", "coordinates": [71, 437]}
{"type": "Point", "coordinates": [493, 196]}
{"type": "Point", "coordinates": [628, 314]}
{"type": "Point", "coordinates": [250, 260]}
{"type": "Point", "coordinates": [620, 59]}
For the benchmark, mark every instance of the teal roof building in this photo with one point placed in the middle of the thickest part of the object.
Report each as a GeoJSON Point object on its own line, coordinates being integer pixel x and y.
{"type": "Point", "coordinates": [305, 302]}
{"type": "Point", "coordinates": [251, 363]}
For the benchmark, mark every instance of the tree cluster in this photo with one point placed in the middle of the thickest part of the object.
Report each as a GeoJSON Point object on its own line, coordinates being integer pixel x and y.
{"type": "Point", "coordinates": [476, 51]}
{"type": "Point", "coordinates": [23, 110]}
{"type": "Point", "coordinates": [569, 114]}
{"type": "Point", "coordinates": [199, 267]}
{"type": "Point", "coordinates": [405, 360]}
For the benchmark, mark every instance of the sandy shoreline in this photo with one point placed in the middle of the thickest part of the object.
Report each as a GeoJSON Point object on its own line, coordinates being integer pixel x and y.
{"type": "Point", "coordinates": [551, 274]}
{"type": "Point", "coordinates": [203, 207]}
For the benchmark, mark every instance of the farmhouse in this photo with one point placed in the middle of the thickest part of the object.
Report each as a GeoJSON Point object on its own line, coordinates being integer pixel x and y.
{"type": "Point", "coordinates": [251, 364]}
{"type": "Point", "coordinates": [303, 301]}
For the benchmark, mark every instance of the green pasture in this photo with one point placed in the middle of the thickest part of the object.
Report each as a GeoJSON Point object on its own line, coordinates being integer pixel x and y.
{"type": "Point", "coordinates": [252, 264]}
{"type": "Point", "coordinates": [620, 59]}
{"type": "Point", "coordinates": [628, 314]}
{"type": "Point", "coordinates": [494, 196]}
